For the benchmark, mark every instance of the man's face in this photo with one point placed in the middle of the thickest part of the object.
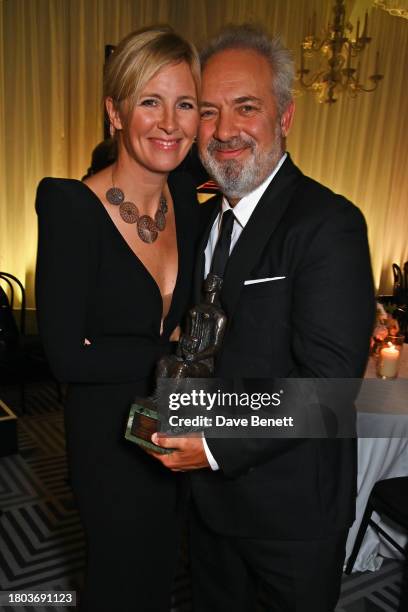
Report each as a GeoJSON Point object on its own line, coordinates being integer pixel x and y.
{"type": "Point", "coordinates": [240, 133]}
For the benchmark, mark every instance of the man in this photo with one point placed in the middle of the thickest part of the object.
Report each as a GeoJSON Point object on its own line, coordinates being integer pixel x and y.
{"type": "Point", "coordinates": [298, 295]}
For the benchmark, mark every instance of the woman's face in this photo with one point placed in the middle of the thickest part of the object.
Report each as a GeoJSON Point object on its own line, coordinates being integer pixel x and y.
{"type": "Point", "coordinates": [164, 122]}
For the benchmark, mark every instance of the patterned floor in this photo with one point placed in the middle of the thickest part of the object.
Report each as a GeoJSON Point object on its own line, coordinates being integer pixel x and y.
{"type": "Point", "coordinates": [41, 539]}
{"type": "Point", "coordinates": [372, 591]}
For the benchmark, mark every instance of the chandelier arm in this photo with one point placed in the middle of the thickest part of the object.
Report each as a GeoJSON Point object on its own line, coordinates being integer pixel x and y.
{"type": "Point", "coordinates": [368, 90]}
{"type": "Point", "coordinates": [312, 82]}
{"type": "Point", "coordinates": [319, 47]}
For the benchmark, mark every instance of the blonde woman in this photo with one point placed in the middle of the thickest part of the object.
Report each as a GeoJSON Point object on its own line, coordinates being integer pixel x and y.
{"type": "Point", "coordinates": [114, 269]}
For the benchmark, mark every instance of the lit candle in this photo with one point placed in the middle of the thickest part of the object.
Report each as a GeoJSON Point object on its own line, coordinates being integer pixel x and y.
{"type": "Point", "coordinates": [358, 71]}
{"type": "Point", "coordinates": [377, 63]}
{"type": "Point", "coordinates": [389, 358]}
{"type": "Point", "coordinates": [365, 31]}
{"type": "Point", "coordinates": [358, 30]}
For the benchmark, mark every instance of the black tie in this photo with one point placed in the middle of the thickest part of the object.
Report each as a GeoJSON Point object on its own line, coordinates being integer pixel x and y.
{"type": "Point", "coordinates": [222, 248]}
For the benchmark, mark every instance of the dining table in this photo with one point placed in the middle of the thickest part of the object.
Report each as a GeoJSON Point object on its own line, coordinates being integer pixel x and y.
{"type": "Point", "coordinates": [382, 429]}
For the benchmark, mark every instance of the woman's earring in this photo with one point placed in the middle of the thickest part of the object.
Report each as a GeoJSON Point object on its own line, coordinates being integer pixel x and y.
{"type": "Point", "coordinates": [112, 130]}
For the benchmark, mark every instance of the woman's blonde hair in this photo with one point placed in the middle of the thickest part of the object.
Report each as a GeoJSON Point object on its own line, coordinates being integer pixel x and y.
{"type": "Point", "coordinates": [138, 57]}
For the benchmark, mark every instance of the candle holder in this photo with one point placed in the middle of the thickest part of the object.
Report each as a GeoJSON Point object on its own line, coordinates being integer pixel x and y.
{"type": "Point", "coordinates": [389, 357]}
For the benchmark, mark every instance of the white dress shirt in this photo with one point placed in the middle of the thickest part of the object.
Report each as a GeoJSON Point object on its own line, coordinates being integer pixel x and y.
{"type": "Point", "coordinates": [242, 213]}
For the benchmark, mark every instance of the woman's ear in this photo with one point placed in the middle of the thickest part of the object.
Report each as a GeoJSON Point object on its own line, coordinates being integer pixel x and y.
{"type": "Point", "coordinates": [113, 114]}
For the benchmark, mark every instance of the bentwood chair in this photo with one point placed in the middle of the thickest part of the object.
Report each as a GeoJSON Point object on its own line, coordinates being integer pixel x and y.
{"type": "Point", "coordinates": [405, 279]}
{"type": "Point", "coordinates": [22, 358]}
{"type": "Point", "coordinates": [389, 498]}
{"type": "Point", "coordinates": [398, 286]}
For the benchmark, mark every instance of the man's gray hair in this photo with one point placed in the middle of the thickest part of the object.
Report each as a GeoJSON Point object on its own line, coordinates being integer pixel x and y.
{"type": "Point", "coordinates": [255, 38]}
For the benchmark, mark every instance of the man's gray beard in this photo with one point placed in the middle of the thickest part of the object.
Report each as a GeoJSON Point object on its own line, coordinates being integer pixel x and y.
{"type": "Point", "coordinates": [236, 178]}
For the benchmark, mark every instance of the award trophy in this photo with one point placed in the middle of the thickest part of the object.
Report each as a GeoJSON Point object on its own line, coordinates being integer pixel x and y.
{"type": "Point", "coordinates": [194, 358]}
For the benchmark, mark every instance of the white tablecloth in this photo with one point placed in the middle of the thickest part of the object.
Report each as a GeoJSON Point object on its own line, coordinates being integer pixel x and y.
{"type": "Point", "coordinates": [379, 459]}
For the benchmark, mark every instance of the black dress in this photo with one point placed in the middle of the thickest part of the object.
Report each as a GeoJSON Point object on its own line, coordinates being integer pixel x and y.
{"type": "Point", "coordinates": [90, 284]}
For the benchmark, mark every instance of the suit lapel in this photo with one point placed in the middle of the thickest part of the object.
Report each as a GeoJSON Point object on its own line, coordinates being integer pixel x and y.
{"type": "Point", "coordinates": [257, 232]}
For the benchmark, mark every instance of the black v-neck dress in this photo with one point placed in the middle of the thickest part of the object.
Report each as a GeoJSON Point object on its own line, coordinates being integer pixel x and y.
{"type": "Point", "coordinates": [90, 284]}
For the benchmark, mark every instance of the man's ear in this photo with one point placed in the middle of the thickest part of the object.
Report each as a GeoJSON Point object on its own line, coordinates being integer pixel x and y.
{"type": "Point", "coordinates": [113, 114]}
{"type": "Point", "coordinates": [287, 118]}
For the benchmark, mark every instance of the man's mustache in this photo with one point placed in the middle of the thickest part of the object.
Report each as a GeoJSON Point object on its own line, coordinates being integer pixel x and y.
{"type": "Point", "coordinates": [234, 143]}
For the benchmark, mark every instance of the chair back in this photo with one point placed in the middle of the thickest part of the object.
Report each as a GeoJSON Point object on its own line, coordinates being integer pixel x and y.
{"type": "Point", "coordinates": [398, 280]}
{"type": "Point", "coordinates": [398, 290]}
{"type": "Point", "coordinates": [8, 327]}
{"type": "Point", "coordinates": [12, 282]}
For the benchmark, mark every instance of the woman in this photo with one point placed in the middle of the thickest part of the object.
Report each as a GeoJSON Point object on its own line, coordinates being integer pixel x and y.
{"type": "Point", "coordinates": [113, 280]}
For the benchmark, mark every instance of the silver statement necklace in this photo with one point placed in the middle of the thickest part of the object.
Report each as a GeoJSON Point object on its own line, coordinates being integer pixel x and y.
{"type": "Point", "coordinates": [147, 228]}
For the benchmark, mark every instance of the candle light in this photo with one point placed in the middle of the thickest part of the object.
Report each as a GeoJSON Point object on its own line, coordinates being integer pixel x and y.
{"type": "Point", "coordinates": [365, 31]}
{"type": "Point", "coordinates": [377, 63]}
{"type": "Point", "coordinates": [358, 30]}
{"type": "Point", "coordinates": [388, 361]}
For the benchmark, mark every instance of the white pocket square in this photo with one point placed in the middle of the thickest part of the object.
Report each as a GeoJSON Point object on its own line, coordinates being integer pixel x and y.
{"type": "Point", "coordinates": [263, 280]}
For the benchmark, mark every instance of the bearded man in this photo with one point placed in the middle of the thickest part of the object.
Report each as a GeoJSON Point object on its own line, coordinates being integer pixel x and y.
{"type": "Point", "coordinates": [298, 294]}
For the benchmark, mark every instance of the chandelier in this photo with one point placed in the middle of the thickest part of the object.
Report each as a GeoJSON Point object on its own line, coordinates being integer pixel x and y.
{"type": "Point", "coordinates": [338, 52]}
{"type": "Point", "coordinates": [398, 8]}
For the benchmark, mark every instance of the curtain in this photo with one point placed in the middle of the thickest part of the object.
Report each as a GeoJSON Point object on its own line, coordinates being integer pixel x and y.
{"type": "Point", "coordinates": [51, 58]}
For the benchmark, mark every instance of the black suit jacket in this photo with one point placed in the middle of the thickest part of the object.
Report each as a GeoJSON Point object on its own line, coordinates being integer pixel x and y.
{"type": "Point", "coordinates": [316, 322]}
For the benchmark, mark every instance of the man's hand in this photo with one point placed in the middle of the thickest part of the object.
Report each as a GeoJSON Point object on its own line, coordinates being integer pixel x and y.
{"type": "Point", "coordinates": [189, 453]}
